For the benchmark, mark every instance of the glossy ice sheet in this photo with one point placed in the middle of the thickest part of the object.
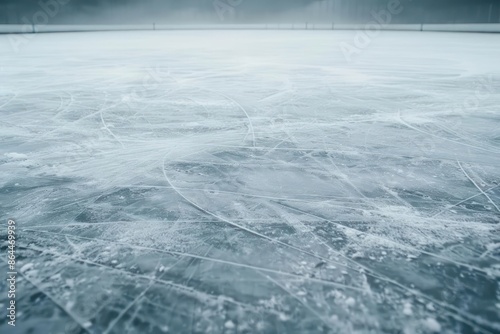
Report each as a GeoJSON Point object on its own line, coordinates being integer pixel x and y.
{"type": "Point", "coordinates": [253, 182]}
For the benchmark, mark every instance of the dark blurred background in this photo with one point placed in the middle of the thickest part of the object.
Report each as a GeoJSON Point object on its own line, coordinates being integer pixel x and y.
{"type": "Point", "coordinates": [243, 11]}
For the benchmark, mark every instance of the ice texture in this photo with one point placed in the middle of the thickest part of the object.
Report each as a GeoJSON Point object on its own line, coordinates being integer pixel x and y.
{"type": "Point", "coordinates": [252, 182]}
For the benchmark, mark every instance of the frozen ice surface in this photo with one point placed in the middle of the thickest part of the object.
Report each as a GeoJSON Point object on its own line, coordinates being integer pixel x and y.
{"type": "Point", "coordinates": [253, 182]}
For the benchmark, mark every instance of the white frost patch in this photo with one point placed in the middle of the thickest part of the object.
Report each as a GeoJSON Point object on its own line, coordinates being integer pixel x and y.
{"type": "Point", "coordinates": [432, 325]}
{"type": "Point", "coordinates": [229, 324]}
{"type": "Point", "coordinates": [26, 267]}
{"type": "Point", "coordinates": [16, 156]}
{"type": "Point", "coordinates": [358, 255]}
{"type": "Point", "coordinates": [407, 309]}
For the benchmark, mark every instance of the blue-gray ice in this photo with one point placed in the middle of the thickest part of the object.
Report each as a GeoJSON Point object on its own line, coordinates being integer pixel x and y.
{"type": "Point", "coordinates": [252, 181]}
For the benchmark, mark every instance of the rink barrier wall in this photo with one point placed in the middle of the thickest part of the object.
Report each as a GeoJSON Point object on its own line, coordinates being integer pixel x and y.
{"type": "Point", "coordinates": [28, 29]}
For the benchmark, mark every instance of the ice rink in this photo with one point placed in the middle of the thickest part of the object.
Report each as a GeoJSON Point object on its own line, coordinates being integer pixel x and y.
{"type": "Point", "coordinates": [252, 181]}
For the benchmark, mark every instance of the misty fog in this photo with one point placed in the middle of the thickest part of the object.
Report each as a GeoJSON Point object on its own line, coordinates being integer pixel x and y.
{"type": "Point", "coordinates": [247, 11]}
